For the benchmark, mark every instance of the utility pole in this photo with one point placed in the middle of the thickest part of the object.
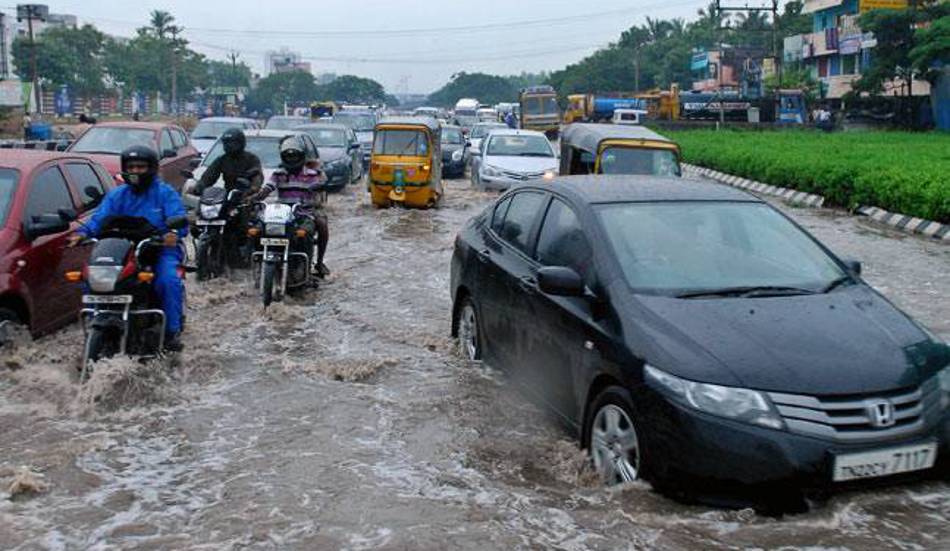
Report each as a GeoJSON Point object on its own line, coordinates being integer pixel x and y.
{"type": "Point", "coordinates": [30, 13]}
{"type": "Point", "coordinates": [719, 31]}
{"type": "Point", "coordinates": [233, 56]}
{"type": "Point", "coordinates": [175, 31]}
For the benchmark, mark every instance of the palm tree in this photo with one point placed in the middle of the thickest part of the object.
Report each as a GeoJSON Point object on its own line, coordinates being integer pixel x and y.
{"type": "Point", "coordinates": [161, 22]}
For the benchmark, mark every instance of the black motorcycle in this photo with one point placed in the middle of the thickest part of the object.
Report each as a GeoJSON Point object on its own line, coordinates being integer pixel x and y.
{"type": "Point", "coordinates": [283, 250]}
{"type": "Point", "coordinates": [121, 313]}
{"type": "Point", "coordinates": [219, 232]}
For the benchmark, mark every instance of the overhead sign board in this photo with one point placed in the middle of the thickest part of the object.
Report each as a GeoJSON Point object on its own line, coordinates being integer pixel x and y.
{"type": "Point", "coordinates": [868, 5]}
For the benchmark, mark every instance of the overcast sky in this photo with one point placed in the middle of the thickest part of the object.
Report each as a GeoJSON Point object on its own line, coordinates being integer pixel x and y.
{"type": "Point", "coordinates": [367, 38]}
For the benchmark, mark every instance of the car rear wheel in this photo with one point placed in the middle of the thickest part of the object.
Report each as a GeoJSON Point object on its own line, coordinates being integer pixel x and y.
{"type": "Point", "coordinates": [469, 331]}
{"type": "Point", "coordinates": [614, 438]}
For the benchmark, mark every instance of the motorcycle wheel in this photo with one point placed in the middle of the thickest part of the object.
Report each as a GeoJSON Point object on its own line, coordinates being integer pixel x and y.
{"type": "Point", "coordinates": [99, 345]}
{"type": "Point", "coordinates": [267, 292]}
{"type": "Point", "coordinates": [203, 258]}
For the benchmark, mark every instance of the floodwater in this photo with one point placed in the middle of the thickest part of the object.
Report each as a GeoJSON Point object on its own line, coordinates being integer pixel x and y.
{"type": "Point", "coordinates": [344, 419]}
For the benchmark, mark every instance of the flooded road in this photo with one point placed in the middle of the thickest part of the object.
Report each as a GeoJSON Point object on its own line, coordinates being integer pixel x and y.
{"type": "Point", "coordinates": [345, 419]}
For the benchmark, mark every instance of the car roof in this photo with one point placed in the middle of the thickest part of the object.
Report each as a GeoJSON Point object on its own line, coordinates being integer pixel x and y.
{"type": "Point", "coordinates": [25, 160]}
{"type": "Point", "coordinates": [322, 126]}
{"type": "Point", "coordinates": [429, 122]}
{"type": "Point", "coordinates": [289, 117]}
{"type": "Point", "coordinates": [226, 119]}
{"type": "Point", "coordinates": [600, 188]}
{"type": "Point", "coordinates": [513, 132]}
{"type": "Point", "coordinates": [498, 124]}
{"type": "Point", "coordinates": [589, 135]}
{"type": "Point", "coordinates": [270, 133]}
{"type": "Point", "coordinates": [155, 126]}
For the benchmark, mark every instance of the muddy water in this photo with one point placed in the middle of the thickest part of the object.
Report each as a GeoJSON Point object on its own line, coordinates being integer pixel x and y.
{"type": "Point", "coordinates": [344, 420]}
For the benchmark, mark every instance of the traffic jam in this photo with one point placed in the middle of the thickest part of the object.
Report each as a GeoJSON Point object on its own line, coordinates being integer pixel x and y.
{"type": "Point", "coordinates": [537, 323]}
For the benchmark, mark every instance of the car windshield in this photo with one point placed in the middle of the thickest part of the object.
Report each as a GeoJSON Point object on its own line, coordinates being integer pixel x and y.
{"type": "Point", "coordinates": [112, 140]}
{"type": "Point", "coordinates": [212, 130]}
{"type": "Point", "coordinates": [464, 112]}
{"type": "Point", "coordinates": [520, 146]}
{"type": "Point", "coordinates": [628, 160]}
{"type": "Point", "coordinates": [452, 136]}
{"type": "Point", "coordinates": [694, 247]}
{"type": "Point", "coordinates": [401, 142]}
{"type": "Point", "coordinates": [327, 137]}
{"type": "Point", "coordinates": [540, 106]}
{"type": "Point", "coordinates": [358, 122]}
{"type": "Point", "coordinates": [266, 149]}
{"type": "Point", "coordinates": [285, 123]}
{"type": "Point", "coordinates": [8, 181]}
{"type": "Point", "coordinates": [482, 130]}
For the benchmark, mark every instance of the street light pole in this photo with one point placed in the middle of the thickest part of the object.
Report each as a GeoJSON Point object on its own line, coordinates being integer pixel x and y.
{"type": "Point", "coordinates": [174, 31]}
{"type": "Point", "coordinates": [36, 89]}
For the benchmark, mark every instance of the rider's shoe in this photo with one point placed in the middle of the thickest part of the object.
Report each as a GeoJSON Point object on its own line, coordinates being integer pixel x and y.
{"type": "Point", "coordinates": [173, 342]}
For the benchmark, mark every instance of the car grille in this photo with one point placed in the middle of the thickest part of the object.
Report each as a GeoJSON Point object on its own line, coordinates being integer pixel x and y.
{"type": "Point", "coordinates": [522, 175]}
{"type": "Point", "coordinates": [851, 419]}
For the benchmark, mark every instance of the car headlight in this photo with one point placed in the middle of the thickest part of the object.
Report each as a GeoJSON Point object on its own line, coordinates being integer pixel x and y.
{"type": "Point", "coordinates": [457, 155]}
{"type": "Point", "coordinates": [549, 175]}
{"type": "Point", "coordinates": [210, 212]}
{"type": "Point", "coordinates": [741, 404]}
{"type": "Point", "coordinates": [489, 170]}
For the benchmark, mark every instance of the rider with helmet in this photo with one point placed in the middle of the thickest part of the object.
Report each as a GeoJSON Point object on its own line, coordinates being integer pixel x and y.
{"type": "Point", "coordinates": [236, 164]}
{"type": "Point", "coordinates": [145, 195]}
{"type": "Point", "coordinates": [301, 181]}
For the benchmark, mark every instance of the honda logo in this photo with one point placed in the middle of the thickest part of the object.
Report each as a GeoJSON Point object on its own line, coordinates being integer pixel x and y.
{"type": "Point", "coordinates": [881, 413]}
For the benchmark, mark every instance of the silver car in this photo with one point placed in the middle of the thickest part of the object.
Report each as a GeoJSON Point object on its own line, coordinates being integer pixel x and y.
{"type": "Point", "coordinates": [510, 157]}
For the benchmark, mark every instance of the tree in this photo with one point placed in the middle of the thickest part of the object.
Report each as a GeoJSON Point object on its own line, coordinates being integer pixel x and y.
{"type": "Point", "coordinates": [932, 48]}
{"type": "Point", "coordinates": [352, 89]}
{"type": "Point", "coordinates": [893, 30]}
{"type": "Point", "coordinates": [65, 56]}
{"type": "Point", "coordinates": [224, 73]}
{"type": "Point", "coordinates": [273, 91]}
{"type": "Point", "coordinates": [488, 89]}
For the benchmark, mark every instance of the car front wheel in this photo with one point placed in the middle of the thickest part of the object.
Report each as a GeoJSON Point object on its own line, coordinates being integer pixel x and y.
{"type": "Point", "coordinates": [614, 438]}
{"type": "Point", "coordinates": [469, 331]}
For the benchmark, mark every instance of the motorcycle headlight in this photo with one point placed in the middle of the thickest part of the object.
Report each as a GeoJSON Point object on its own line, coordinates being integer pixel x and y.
{"type": "Point", "coordinates": [210, 212]}
{"type": "Point", "coordinates": [489, 170]}
{"type": "Point", "coordinates": [457, 155]}
{"type": "Point", "coordinates": [741, 404]}
{"type": "Point", "coordinates": [275, 230]}
{"type": "Point", "coordinates": [102, 279]}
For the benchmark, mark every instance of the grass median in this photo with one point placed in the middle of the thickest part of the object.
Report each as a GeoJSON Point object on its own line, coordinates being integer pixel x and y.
{"type": "Point", "coordinates": [902, 172]}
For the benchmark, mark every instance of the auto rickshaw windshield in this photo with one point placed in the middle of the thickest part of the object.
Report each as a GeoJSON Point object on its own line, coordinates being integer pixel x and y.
{"type": "Point", "coordinates": [625, 160]}
{"type": "Point", "coordinates": [412, 143]}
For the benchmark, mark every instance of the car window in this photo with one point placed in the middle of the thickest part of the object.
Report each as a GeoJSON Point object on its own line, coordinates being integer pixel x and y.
{"type": "Point", "coordinates": [83, 176]}
{"type": "Point", "coordinates": [179, 138]}
{"type": "Point", "coordinates": [112, 140]}
{"type": "Point", "coordinates": [166, 142]}
{"type": "Point", "coordinates": [520, 218]}
{"type": "Point", "coordinates": [8, 184]}
{"type": "Point", "coordinates": [562, 241]}
{"type": "Point", "coordinates": [48, 194]}
{"type": "Point", "coordinates": [498, 216]}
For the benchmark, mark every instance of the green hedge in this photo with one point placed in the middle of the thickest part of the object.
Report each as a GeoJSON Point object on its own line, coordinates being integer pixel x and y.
{"type": "Point", "coordinates": [897, 171]}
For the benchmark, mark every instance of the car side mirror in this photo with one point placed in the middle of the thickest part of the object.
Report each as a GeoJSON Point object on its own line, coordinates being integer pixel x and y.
{"type": "Point", "coordinates": [853, 266]}
{"type": "Point", "coordinates": [46, 224]}
{"type": "Point", "coordinates": [177, 222]}
{"type": "Point", "coordinates": [93, 193]}
{"type": "Point", "coordinates": [188, 174]}
{"type": "Point", "coordinates": [69, 215]}
{"type": "Point", "coordinates": [61, 146]}
{"type": "Point", "coordinates": [169, 153]}
{"type": "Point", "coordinates": [560, 281]}
{"type": "Point", "coordinates": [194, 163]}
{"type": "Point", "coordinates": [468, 143]}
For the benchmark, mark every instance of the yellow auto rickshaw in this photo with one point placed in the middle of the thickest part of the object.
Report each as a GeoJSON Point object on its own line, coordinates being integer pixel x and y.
{"type": "Point", "coordinates": [617, 149]}
{"type": "Point", "coordinates": [406, 165]}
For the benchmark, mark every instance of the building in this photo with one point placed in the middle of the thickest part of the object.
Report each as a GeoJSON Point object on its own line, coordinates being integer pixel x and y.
{"type": "Point", "coordinates": [284, 61]}
{"type": "Point", "coordinates": [837, 50]}
{"type": "Point", "coordinates": [326, 78]}
{"type": "Point", "coordinates": [731, 70]}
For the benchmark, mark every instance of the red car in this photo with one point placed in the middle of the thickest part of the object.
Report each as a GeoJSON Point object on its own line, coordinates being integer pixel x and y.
{"type": "Point", "coordinates": [39, 192]}
{"type": "Point", "coordinates": [105, 142]}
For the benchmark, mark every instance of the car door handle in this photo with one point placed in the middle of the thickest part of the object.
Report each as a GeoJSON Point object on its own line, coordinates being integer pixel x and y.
{"type": "Point", "coordinates": [528, 285]}
{"type": "Point", "coordinates": [482, 256]}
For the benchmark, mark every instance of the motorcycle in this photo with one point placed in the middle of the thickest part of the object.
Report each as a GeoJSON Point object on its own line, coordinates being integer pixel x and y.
{"type": "Point", "coordinates": [219, 233]}
{"type": "Point", "coordinates": [121, 313]}
{"type": "Point", "coordinates": [282, 248]}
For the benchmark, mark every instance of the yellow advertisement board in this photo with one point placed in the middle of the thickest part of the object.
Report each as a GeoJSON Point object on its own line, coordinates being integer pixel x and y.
{"type": "Point", "coordinates": [868, 5]}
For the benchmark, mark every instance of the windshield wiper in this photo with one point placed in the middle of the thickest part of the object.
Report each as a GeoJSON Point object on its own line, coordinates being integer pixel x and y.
{"type": "Point", "coordinates": [748, 292]}
{"type": "Point", "coordinates": [836, 283]}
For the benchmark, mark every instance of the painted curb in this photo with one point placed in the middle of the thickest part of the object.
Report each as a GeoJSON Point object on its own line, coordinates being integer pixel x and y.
{"type": "Point", "coordinates": [902, 222]}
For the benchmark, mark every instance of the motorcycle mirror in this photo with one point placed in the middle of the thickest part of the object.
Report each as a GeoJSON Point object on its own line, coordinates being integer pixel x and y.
{"type": "Point", "coordinates": [176, 222]}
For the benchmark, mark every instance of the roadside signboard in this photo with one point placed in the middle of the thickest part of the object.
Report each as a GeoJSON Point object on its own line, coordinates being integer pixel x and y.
{"type": "Point", "coordinates": [868, 5]}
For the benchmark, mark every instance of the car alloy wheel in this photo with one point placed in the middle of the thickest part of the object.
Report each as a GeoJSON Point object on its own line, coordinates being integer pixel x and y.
{"type": "Point", "coordinates": [614, 445]}
{"type": "Point", "coordinates": [468, 332]}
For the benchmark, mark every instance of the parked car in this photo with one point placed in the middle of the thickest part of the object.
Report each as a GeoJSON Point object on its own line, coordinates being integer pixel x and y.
{"type": "Point", "coordinates": [263, 143]}
{"type": "Point", "coordinates": [209, 129]}
{"type": "Point", "coordinates": [692, 335]}
{"type": "Point", "coordinates": [454, 150]}
{"type": "Point", "coordinates": [105, 142]}
{"type": "Point", "coordinates": [509, 157]}
{"type": "Point", "coordinates": [340, 152]}
{"type": "Point", "coordinates": [281, 122]}
{"type": "Point", "coordinates": [39, 193]}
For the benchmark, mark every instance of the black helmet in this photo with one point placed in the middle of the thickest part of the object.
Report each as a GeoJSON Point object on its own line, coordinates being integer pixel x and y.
{"type": "Point", "coordinates": [292, 154]}
{"type": "Point", "coordinates": [140, 182]}
{"type": "Point", "coordinates": [234, 141]}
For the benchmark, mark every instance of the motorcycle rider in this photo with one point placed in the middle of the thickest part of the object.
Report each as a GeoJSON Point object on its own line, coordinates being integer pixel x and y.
{"type": "Point", "coordinates": [236, 164]}
{"type": "Point", "coordinates": [296, 181]}
{"type": "Point", "coordinates": [145, 195]}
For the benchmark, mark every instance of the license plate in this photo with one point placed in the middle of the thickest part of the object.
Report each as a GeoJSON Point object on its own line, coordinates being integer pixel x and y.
{"type": "Point", "coordinates": [855, 466]}
{"type": "Point", "coordinates": [107, 299]}
{"type": "Point", "coordinates": [275, 242]}
{"type": "Point", "coordinates": [210, 222]}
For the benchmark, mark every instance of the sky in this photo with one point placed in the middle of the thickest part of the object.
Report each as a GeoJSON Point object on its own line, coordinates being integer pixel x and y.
{"type": "Point", "coordinates": [410, 46]}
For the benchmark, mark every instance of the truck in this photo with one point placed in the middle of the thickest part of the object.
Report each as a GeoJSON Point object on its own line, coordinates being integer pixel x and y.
{"type": "Point", "coordinates": [539, 110]}
{"type": "Point", "coordinates": [659, 104]}
{"type": "Point", "coordinates": [466, 111]}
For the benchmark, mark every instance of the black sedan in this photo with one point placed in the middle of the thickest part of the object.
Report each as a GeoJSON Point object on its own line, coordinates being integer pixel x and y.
{"type": "Point", "coordinates": [339, 149]}
{"type": "Point", "coordinates": [694, 336]}
{"type": "Point", "coordinates": [453, 152]}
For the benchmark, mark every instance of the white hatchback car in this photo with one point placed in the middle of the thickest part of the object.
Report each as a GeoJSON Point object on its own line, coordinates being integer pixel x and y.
{"type": "Point", "coordinates": [510, 157]}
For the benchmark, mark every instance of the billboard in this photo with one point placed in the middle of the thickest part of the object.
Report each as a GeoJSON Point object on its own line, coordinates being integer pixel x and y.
{"type": "Point", "coordinates": [868, 5]}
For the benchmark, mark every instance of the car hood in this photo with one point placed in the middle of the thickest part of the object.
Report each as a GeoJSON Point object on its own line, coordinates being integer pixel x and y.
{"type": "Point", "coordinates": [851, 341]}
{"type": "Point", "coordinates": [331, 153]}
{"type": "Point", "coordinates": [522, 164]}
{"type": "Point", "coordinates": [203, 145]}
